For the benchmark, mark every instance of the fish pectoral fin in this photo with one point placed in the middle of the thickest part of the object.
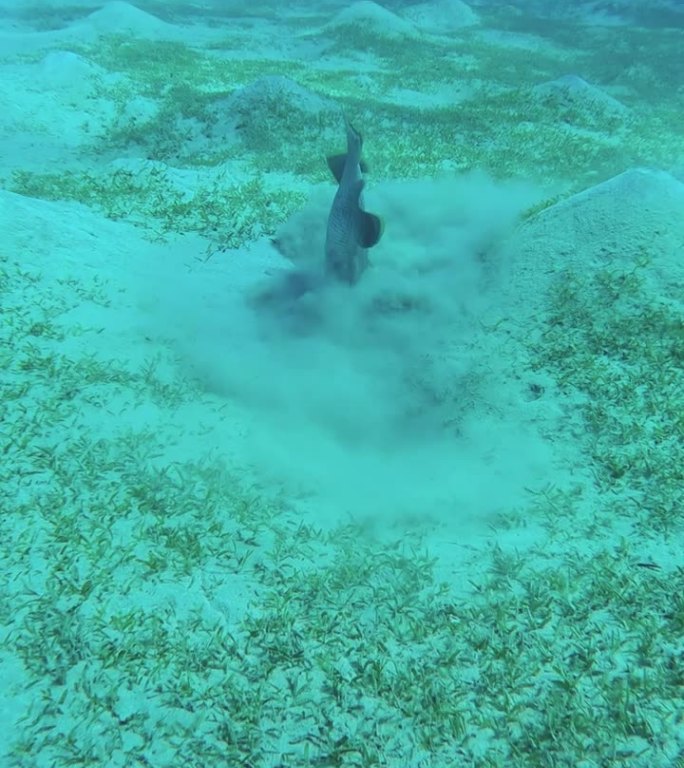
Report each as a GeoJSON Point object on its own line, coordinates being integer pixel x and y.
{"type": "Point", "coordinates": [371, 229]}
{"type": "Point", "coordinates": [336, 164]}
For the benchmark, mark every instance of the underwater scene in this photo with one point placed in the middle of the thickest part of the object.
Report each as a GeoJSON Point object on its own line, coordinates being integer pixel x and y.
{"type": "Point", "coordinates": [342, 384]}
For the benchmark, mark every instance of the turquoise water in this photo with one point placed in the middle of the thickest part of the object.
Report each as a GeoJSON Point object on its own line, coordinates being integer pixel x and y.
{"type": "Point", "coordinates": [254, 516]}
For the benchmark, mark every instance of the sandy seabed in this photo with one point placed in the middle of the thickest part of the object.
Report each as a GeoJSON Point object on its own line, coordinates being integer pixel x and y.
{"type": "Point", "coordinates": [430, 520]}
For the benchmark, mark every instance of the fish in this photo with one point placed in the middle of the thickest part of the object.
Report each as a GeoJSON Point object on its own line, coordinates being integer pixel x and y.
{"type": "Point", "coordinates": [351, 230]}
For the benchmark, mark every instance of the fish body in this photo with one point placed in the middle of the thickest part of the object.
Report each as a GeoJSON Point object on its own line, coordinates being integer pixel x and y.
{"type": "Point", "coordinates": [351, 230]}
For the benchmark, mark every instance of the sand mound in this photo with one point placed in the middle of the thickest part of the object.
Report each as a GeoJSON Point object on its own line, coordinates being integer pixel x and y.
{"type": "Point", "coordinates": [273, 111]}
{"type": "Point", "coordinates": [120, 18]}
{"type": "Point", "coordinates": [372, 19]}
{"type": "Point", "coordinates": [633, 216]}
{"type": "Point", "coordinates": [70, 73]}
{"type": "Point", "coordinates": [441, 17]}
{"type": "Point", "coordinates": [571, 91]}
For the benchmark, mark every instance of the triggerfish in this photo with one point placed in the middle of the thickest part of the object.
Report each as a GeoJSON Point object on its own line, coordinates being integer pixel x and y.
{"type": "Point", "coordinates": [351, 230]}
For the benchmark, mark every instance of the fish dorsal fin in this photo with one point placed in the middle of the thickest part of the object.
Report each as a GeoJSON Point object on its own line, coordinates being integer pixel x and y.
{"type": "Point", "coordinates": [336, 164]}
{"type": "Point", "coordinates": [371, 229]}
